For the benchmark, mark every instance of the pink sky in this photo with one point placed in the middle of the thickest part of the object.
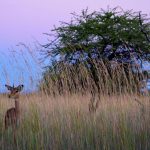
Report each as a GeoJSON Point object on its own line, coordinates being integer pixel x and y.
{"type": "Point", "coordinates": [24, 20]}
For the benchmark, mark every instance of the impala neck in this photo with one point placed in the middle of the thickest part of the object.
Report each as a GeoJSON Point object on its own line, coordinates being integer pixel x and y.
{"type": "Point", "coordinates": [17, 105]}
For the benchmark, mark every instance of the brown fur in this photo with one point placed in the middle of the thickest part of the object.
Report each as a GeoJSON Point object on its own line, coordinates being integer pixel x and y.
{"type": "Point", "coordinates": [12, 116]}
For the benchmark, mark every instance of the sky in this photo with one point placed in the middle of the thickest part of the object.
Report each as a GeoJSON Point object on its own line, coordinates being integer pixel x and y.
{"type": "Point", "coordinates": [26, 21]}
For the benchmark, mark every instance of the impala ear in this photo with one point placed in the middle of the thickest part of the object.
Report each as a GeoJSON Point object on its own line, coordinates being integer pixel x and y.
{"type": "Point", "coordinates": [20, 87]}
{"type": "Point", "coordinates": [9, 87]}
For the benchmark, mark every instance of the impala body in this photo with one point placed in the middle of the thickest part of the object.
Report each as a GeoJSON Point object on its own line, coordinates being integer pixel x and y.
{"type": "Point", "coordinates": [13, 114]}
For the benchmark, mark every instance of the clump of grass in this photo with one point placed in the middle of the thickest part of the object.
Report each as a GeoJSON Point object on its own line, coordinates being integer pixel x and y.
{"type": "Point", "coordinates": [62, 78]}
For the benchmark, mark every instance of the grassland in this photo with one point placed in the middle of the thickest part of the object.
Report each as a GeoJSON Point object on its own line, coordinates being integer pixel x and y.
{"type": "Point", "coordinates": [64, 123]}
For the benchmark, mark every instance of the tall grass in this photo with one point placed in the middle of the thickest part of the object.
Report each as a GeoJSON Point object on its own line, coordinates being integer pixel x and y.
{"type": "Point", "coordinates": [102, 77]}
{"type": "Point", "coordinates": [64, 121]}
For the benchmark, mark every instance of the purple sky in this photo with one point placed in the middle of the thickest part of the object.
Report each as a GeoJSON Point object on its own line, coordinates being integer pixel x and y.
{"type": "Point", "coordinates": [24, 20]}
{"type": "Point", "coordinates": [27, 20]}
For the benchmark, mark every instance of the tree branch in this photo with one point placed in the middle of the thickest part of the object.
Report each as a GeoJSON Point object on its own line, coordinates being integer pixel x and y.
{"type": "Point", "coordinates": [142, 29]}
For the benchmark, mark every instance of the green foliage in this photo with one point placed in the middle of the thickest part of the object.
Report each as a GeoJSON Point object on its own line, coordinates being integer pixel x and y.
{"type": "Point", "coordinates": [90, 33]}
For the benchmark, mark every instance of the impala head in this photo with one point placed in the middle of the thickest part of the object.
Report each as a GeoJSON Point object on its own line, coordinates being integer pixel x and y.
{"type": "Point", "coordinates": [14, 91]}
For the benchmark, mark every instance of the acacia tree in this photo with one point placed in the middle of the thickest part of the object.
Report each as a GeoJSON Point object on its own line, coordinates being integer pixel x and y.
{"type": "Point", "coordinates": [89, 34]}
{"type": "Point", "coordinates": [108, 35]}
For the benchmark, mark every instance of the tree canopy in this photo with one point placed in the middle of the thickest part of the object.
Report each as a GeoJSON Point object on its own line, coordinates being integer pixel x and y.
{"type": "Point", "coordinates": [110, 34]}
